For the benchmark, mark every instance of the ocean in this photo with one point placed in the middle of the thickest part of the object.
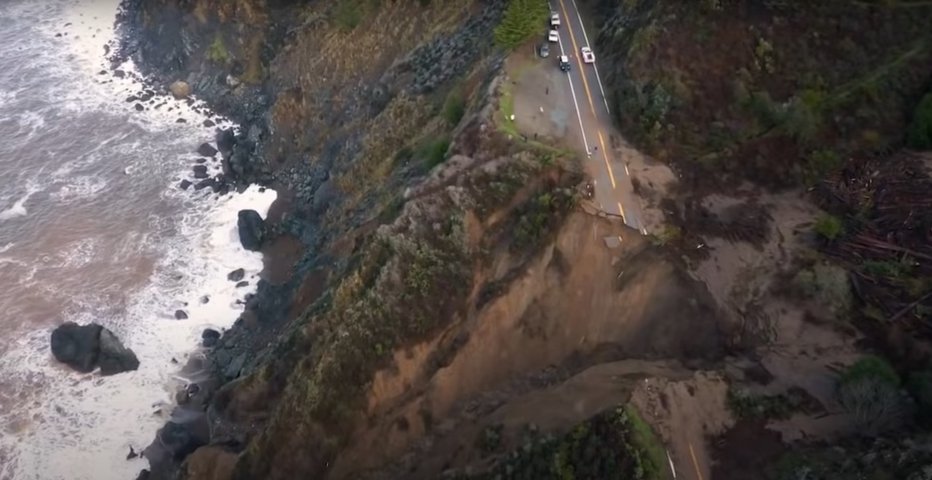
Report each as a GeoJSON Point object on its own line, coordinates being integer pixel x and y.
{"type": "Point", "coordinates": [93, 228]}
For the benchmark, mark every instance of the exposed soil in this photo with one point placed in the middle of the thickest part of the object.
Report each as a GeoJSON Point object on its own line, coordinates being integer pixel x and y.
{"type": "Point", "coordinates": [598, 294]}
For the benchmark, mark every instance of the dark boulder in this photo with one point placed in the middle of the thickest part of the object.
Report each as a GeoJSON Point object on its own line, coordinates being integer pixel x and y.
{"type": "Point", "coordinates": [200, 171]}
{"type": "Point", "coordinates": [206, 150]}
{"type": "Point", "coordinates": [139, 107]}
{"type": "Point", "coordinates": [226, 139]}
{"type": "Point", "coordinates": [208, 123]}
{"type": "Point", "coordinates": [207, 182]}
{"type": "Point", "coordinates": [181, 315]}
{"type": "Point", "coordinates": [77, 345]}
{"type": "Point", "coordinates": [114, 357]}
{"type": "Point", "coordinates": [236, 275]}
{"type": "Point", "coordinates": [85, 347]}
{"type": "Point", "coordinates": [252, 230]}
{"type": "Point", "coordinates": [184, 184]}
{"type": "Point", "coordinates": [209, 337]}
{"type": "Point", "coordinates": [179, 440]}
{"type": "Point", "coordinates": [242, 284]}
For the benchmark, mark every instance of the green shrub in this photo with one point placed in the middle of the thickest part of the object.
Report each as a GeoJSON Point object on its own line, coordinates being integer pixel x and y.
{"type": "Point", "coordinates": [829, 227]}
{"type": "Point", "coordinates": [869, 390]}
{"type": "Point", "coordinates": [454, 107]}
{"type": "Point", "coordinates": [349, 13]}
{"type": "Point", "coordinates": [820, 164]}
{"type": "Point", "coordinates": [435, 152]}
{"type": "Point", "coordinates": [920, 130]}
{"type": "Point", "coordinates": [217, 52]}
{"type": "Point", "coordinates": [870, 367]}
{"type": "Point", "coordinates": [522, 20]}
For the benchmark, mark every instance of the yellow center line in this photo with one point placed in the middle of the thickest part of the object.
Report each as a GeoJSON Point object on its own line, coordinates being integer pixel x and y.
{"type": "Point", "coordinates": [695, 463]}
{"type": "Point", "coordinates": [622, 211]}
{"type": "Point", "coordinates": [578, 61]}
{"type": "Point", "coordinates": [611, 175]}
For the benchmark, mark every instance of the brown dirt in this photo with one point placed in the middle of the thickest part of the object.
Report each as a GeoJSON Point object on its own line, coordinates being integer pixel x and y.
{"type": "Point", "coordinates": [586, 299]}
{"type": "Point", "coordinates": [684, 413]}
{"type": "Point", "coordinates": [543, 107]}
{"type": "Point", "coordinates": [743, 451]}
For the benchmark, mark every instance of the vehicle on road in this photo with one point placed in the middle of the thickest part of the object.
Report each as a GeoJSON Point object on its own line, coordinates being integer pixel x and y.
{"type": "Point", "coordinates": [544, 50]}
{"type": "Point", "coordinates": [564, 63]}
{"type": "Point", "coordinates": [553, 36]}
{"type": "Point", "coordinates": [554, 20]}
{"type": "Point", "coordinates": [587, 55]}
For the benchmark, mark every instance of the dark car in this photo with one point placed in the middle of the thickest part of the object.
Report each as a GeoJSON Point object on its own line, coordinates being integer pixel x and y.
{"type": "Point", "coordinates": [564, 63]}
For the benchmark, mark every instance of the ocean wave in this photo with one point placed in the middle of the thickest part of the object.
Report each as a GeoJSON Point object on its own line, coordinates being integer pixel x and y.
{"type": "Point", "coordinates": [18, 209]}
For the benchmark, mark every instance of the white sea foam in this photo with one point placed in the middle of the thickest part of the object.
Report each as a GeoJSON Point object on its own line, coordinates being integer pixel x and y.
{"type": "Point", "coordinates": [80, 187]}
{"type": "Point", "coordinates": [18, 209]}
{"type": "Point", "coordinates": [71, 426]}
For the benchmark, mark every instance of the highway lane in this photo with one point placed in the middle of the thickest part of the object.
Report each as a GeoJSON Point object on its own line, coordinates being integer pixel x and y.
{"type": "Point", "coordinates": [613, 190]}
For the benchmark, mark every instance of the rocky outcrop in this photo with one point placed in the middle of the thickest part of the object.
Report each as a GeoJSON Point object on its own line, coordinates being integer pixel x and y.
{"type": "Point", "coordinates": [252, 229]}
{"type": "Point", "coordinates": [86, 347]}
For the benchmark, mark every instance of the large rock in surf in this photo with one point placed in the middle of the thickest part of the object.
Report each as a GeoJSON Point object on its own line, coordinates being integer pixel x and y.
{"type": "Point", "coordinates": [252, 230]}
{"type": "Point", "coordinates": [206, 150]}
{"type": "Point", "coordinates": [114, 357]}
{"type": "Point", "coordinates": [180, 90]}
{"type": "Point", "coordinates": [85, 347]}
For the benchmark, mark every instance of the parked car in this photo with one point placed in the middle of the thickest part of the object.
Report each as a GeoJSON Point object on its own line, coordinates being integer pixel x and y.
{"type": "Point", "coordinates": [553, 36]}
{"type": "Point", "coordinates": [587, 55]}
{"type": "Point", "coordinates": [555, 20]}
{"type": "Point", "coordinates": [564, 63]}
{"type": "Point", "coordinates": [544, 50]}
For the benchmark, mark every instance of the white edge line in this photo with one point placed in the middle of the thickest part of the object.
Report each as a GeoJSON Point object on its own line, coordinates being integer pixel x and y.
{"type": "Point", "coordinates": [672, 468]}
{"type": "Point", "coordinates": [573, 93]}
{"type": "Point", "coordinates": [594, 67]}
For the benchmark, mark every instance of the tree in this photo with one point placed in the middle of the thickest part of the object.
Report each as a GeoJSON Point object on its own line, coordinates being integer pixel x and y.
{"type": "Point", "coordinates": [522, 19]}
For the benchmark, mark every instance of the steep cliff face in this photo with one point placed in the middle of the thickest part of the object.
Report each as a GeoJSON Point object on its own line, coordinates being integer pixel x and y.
{"type": "Point", "coordinates": [441, 259]}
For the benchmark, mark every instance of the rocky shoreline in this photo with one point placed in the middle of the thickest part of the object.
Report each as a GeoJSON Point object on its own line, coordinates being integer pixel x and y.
{"type": "Point", "coordinates": [228, 355]}
{"type": "Point", "coordinates": [306, 191]}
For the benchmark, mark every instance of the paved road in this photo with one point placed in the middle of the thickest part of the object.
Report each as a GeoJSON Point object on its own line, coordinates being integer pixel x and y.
{"type": "Point", "coordinates": [613, 190]}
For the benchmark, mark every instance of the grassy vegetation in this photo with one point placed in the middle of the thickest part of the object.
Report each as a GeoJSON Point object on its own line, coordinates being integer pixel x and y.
{"type": "Point", "coordinates": [537, 219]}
{"type": "Point", "coordinates": [522, 20]}
{"type": "Point", "coordinates": [433, 152]}
{"type": "Point", "coordinates": [217, 51]}
{"type": "Point", "coordinates": [614, 445]}
{"type": "Point", "coordinates": [454, 107]}
{"type": "Point", "coordinates": [829, 227]}
{"type": "Point", "coordinates": [348, 14]}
